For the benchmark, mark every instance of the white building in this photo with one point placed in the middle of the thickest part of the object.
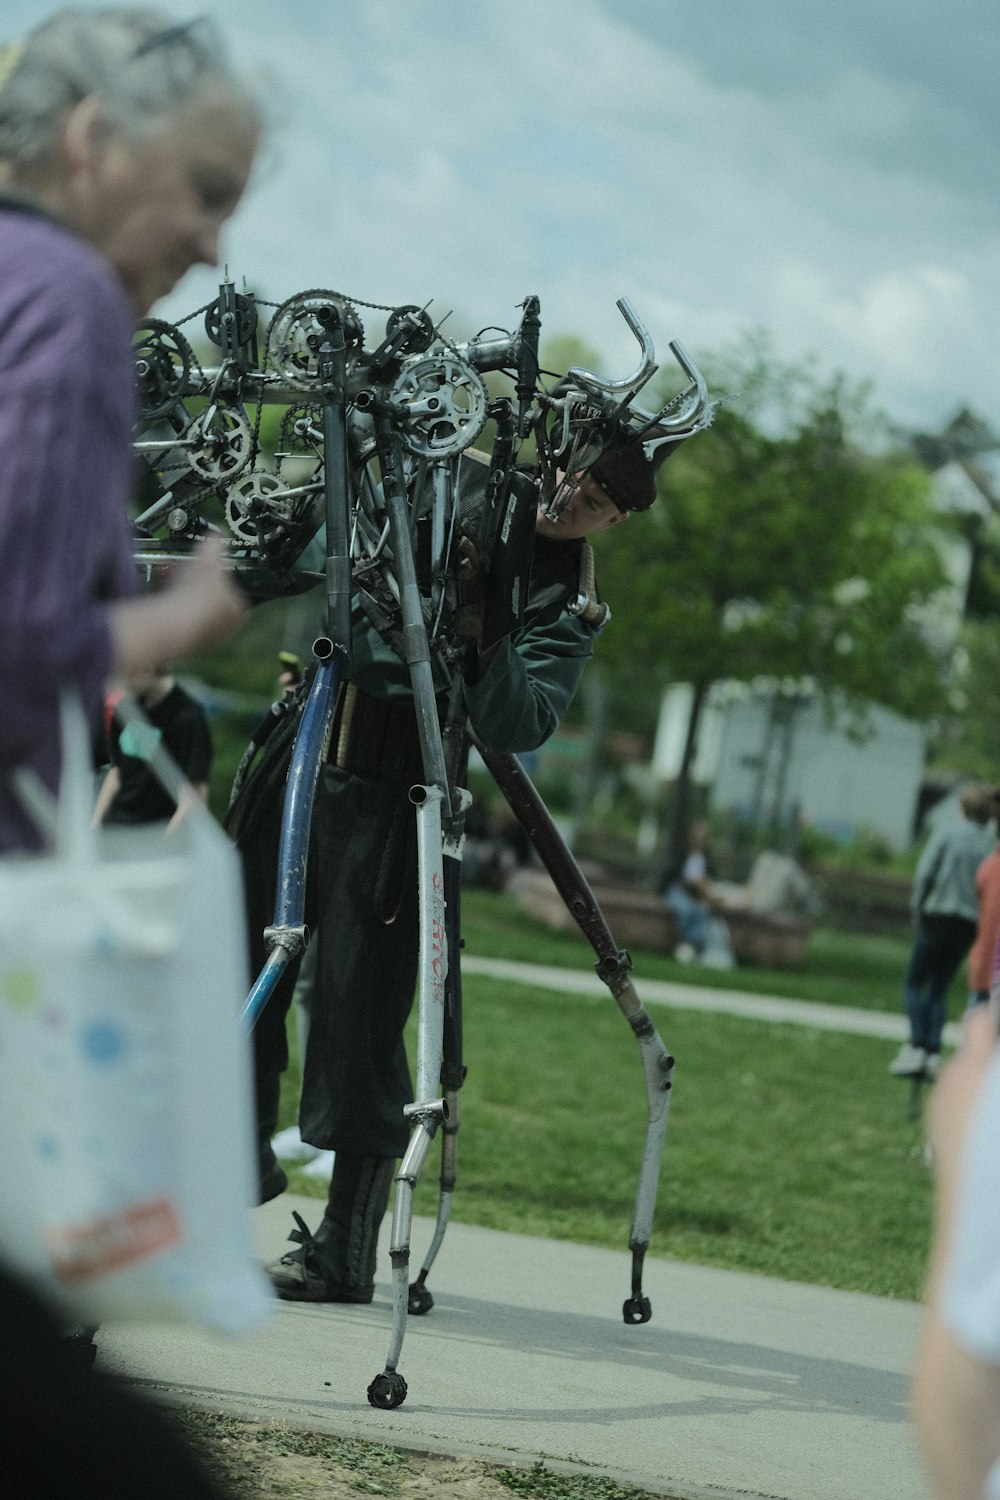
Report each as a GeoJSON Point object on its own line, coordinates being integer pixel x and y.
{"type": "Point", "coordinates": [769, 754]}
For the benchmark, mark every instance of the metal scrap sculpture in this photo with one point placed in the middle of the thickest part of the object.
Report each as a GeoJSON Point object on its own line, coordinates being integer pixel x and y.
{"type": "Point", "coordinates": [371, 438]}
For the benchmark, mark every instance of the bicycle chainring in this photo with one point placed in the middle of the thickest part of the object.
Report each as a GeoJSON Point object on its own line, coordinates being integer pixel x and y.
{"type": "Point", "coordinates": [295, 335]}
{"type": "Point", "coordinates": [441, 404]}
{"type": "Point", "coordinates": [252, 511]}
{"type": "Point", "coordinates": [163, 360]}
{"type": "Point", "coordinates": [221, 444]}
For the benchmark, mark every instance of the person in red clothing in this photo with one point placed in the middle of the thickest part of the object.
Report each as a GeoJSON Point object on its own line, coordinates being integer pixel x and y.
{"type": "Point", "coordinates": [982, 958]}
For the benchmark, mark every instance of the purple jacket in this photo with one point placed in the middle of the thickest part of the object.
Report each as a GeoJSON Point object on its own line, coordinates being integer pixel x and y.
{"type": "Point", "coordinates": [66, 416]}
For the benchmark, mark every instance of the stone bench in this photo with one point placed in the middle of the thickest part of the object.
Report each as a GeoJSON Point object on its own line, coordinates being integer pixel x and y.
{"type": "Point", "coordinates": [639, 919]}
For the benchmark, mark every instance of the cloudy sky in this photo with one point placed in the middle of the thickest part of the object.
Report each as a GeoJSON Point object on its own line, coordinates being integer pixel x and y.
{"type": "Point", "coordinates": [829, 172]}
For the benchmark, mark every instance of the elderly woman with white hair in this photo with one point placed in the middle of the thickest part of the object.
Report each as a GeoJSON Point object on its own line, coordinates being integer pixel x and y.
{"type": "Point", "coordinates": [125, 143]}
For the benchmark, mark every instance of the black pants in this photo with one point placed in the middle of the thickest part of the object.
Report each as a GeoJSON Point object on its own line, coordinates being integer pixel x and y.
{"type": "Point", "coordinates": [942, 942]}
{"type": "Point", "coordinates": [362, 911]}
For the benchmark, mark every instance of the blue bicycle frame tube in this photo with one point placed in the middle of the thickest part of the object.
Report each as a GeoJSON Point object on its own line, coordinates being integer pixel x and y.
{"type": "Point", "coordinates": [288, 930]}
{"type": "Point", "coordinates": [287, 936]}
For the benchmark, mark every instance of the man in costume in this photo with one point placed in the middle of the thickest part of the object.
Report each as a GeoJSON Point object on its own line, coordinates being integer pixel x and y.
{"type": "Point", "coordinates": [362, 906]}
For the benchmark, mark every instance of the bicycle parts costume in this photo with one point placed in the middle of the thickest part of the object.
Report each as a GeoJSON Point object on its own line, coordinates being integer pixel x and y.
{"type": "Point", "coordinates": [431, 569]}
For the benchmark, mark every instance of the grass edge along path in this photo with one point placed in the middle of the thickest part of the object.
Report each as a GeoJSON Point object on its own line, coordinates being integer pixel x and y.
{"type": "Point", "coordinates": [274, 1461]}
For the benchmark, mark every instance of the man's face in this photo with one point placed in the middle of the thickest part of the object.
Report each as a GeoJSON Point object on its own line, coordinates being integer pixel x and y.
{"type": "Point", "coordinates": [156, 207]}
{"type": "Point", "coordinates": [589, 509]}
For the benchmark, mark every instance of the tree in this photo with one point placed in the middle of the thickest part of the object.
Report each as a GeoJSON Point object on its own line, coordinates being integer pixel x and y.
{"type": "Point", "coordinates": [788, 541]}
{"type": "Point", "coordinates": [964, 738]}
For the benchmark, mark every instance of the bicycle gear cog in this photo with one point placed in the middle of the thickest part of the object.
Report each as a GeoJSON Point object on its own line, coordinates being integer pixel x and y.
{"type": "Point", "coordinates": [221, 444]}
{"type": "Point", "coordinates": [246, 320]}
{"type": "Point", "coordinates": [295, 335]}
{"type": "Point", "coordinates": [418, 321]}
{"type": "Point", "coordinates": [443, 404]}
{"type": "Point", "coordinates": [300, 435]}
{"type": "Point", "coordinates": [163, 364]}
{"type": "Point", "coordinates": [251, 509]}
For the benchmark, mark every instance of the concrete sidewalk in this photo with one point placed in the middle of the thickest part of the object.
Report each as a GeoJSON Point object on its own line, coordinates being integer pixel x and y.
{"type": "Point", "coordinates": [890, 1026]}
{"type": "Point", "coordinates": [740, 1385]}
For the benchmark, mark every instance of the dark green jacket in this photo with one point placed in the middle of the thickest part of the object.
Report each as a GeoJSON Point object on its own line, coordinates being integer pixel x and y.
{"type": "Point", "coordinates": [521, 696]}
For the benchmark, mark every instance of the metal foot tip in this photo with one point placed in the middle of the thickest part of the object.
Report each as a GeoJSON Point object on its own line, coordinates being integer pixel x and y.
{"type": "Point", "coordinates": [637, 1310]}
{"type": "Point", "coordinates": [387, 1390]}
{"type": "Point", "coordinates": [419, 1300]}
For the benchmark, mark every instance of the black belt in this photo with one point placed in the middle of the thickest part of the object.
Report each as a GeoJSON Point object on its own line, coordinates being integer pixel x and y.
{"type": "Point", "coordinates": [376, 737]}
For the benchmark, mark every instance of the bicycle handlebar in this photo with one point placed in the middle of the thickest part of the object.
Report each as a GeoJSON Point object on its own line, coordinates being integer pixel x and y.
{"type": "Point", "coordinates": [647, 368]}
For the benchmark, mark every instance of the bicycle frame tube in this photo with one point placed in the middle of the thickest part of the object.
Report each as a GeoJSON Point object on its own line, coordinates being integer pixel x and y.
{"type": "Point", "coordinates": [427, 1112]}
{"type": "Point", "coordinates": [333, 368]}
{"type": "Point", "coordinates": [433, 946]}
{"type": "Point", "coordinates": [614, 967]}
{"type": "Point", "coordinates": [416, 650]}
{"type": "Point", "coordinates": [452, 1069]}
{"type": "Point", "coordinates": [433, 803]}
{"type": "Point", "coordinates": [287, 934]}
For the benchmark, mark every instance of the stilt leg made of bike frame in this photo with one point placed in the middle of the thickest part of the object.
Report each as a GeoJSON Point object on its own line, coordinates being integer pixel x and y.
{"type": "Point", "coordinates": [614, 968]}
{"type": "Point", "coordinates": [388, 1389]}
{"type": "Point", "coordinates": [434, 801]}
{"type": "Point", "coordinates": [287, 935]}
{"type": "Point", "coordinates": [433, 948]}
{"type": "Point", "coordinates": [420, 1300]}
{"type": "Point", "coordinates": [427, 1112]}
{"type": "Point", "coordinates": [452, 1075]}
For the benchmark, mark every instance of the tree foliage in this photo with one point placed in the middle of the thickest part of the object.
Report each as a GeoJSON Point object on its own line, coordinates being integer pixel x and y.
{"type": "Point", "coordinates": [788, 541]}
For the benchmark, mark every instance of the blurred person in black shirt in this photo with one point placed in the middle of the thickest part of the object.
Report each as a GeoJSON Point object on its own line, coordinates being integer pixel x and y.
{"type": "Point", "coordinates": [131, 791]}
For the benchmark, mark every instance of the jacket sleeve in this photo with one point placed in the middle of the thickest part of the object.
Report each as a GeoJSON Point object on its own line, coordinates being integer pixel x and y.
{"type": "Point", "coordinates": [522, 695]}
{"type": "Point", "coordinates": [65, 432]}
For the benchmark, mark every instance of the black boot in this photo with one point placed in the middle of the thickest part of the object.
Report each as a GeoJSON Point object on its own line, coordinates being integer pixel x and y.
{"type": "Point", "coordinates": [337, 1263]}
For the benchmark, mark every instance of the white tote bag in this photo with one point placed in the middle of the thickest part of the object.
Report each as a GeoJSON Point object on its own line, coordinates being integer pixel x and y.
{"type": "Point", "coordinates": [127, 1172]}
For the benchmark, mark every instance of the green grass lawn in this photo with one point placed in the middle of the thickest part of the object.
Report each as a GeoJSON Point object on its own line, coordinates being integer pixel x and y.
{"type": "Point", "coordinates": [788, 1151]}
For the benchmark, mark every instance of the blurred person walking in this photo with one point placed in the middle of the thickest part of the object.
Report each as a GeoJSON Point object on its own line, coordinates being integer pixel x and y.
{"type": "Point", "coordinates": [946, 914]}
{"type": "Point", "coordinates": [131, 792]}
{"type": "Point", "coordinates": [956, 1384]}
{"type": "Point", "coordinates": [125, 143]}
